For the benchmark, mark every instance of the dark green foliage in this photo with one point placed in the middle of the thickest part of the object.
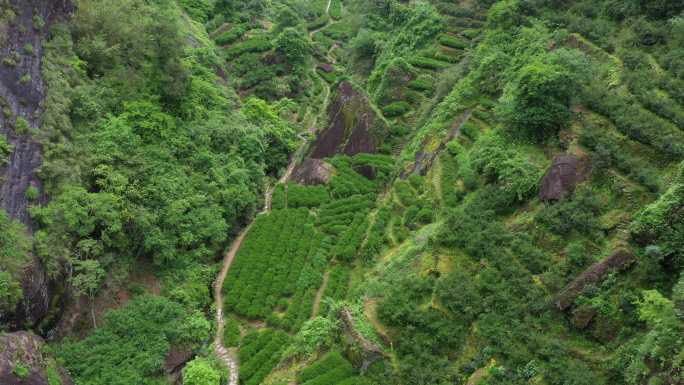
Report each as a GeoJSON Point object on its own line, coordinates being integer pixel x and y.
{"type": "Point", "coordinates": [396, 109]}
{"type": "Point", "coordinates": [638, 123]}
{"type": "Point", "coordinates": [427, 63]}
{"type": "Point", "coordinates": [537, 102]}
{"type": "Point", "coordinates": [231, 36]}
{"type": "Point", "coordinates": [231, 333]}
{"type": "Point", "coordinates": [136, 340]}
{"type": "Point", "coordinates": [330, 370]}
{"type": "Point", "coordinates": [346, 181]}
{"type": "Point", "coordinates": [15, 248]}
{"type": "Point", "coordinates": [579, 214]}
{"type": "Point", "coordinates": [452, 41]}
{"type": "Point", "coordinates": [306, 196]}
{"type": "Point", "coordinates": [260, 355]}
{"type": "Point", "coordinates": [269, 262]}
{"type": "Point", "coordinates": [198, 9]}
{"type": "Point", "coordinates": [338, 285]}
{"type": "Point", "coordinates": [293, 46]}
{"type": "Point", "coordinates": [255, 44]}
{"type": "Point", "coordinates": [336, 216]}
{"type": "Point", "coordinates": [608, 153]}
{"type": "Point", "coordinates": [349, 242]}
{"type": "Point", "coordinates": [516, 176]}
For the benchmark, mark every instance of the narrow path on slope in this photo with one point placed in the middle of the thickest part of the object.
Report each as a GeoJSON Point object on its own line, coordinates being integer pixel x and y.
{"type": "Point", "coordinates": [319, 294]}
{"type": "Point", "coordinates": [229, 356]}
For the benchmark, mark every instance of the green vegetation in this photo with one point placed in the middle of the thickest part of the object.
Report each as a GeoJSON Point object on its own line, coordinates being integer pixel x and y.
{"type": "Point", "coordinates": [520, 222]}
{"type": "Point", "coordinates": [200, 372]}
{"type": "Point", "coordinates": [259, 354]}
{"type": "Point", "coordinates": [136, 339]}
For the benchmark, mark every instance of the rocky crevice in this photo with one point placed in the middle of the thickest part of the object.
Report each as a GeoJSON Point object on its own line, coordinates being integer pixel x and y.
{"type": "Point", "coordinates": [22, 92]}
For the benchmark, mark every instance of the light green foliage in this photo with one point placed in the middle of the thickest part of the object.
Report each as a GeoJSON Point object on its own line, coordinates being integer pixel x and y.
{"type": "Point", "coordinates": [10, 291]}
{"type": "Point", "coordinates": [5, 150]}
{"type": "Point", "coordinates": [200, 372]}
{"type": "Point", "coordinates": [21, 370]}
{"type": "Point", "coordinates": [15, 250]}
{"type": "Point", "coordinates": [279, 135]}
{"type": "Point", "coordinates": [21, 126]}
{"type": "Point", "coordinates": [32, 193]}
{"type": "Point", "coordinates": [662, 343]}
{"type": "Point", "coordinates": [315, 334]}
{"type": "Point", "coordinates": [517, 177]}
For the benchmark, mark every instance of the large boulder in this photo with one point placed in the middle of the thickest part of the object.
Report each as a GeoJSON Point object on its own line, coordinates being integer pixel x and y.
{"type": "Point", "coordinates": [23, 361]}
{"type": "Point", "coordinates": [560, 180]}
{"type": "Point", "coordinates": [354, 127]}
{"type": "Point", "coordinates": [618, 261]}
{"type": "Point", "coordinates": [312, 172]}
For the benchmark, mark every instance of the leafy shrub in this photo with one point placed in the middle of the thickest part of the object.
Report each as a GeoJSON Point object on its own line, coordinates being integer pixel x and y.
{"type": "Point", "coordinates": [427, 63]}
{"type": "Point", "coordinates": [422, 84]}
{"type": "Point", "coordinates": [452, 42]}
{"type": "Point", "coordinates": [306, 196]}
{"type": "Point", "coordinates": [396, 109]}
{"type": "Point", "coordinates": [200, 372]}
{"type": "Point", "coordinates": [21, 370]}
{"type": "Point", "coordinates": [537, 102]}
{"type": "Point", "coordinates": [231, 333]}
{"type": "Point", "coordinates": [136, 338]}
{"type": "Point", "coordinates": [262, 355]}
{"type": "Point", "coordinates": [330, 363]}
{"type": "Point", "coordinates": [255, 44]}
{"type": "Point", "coordinates": [515, 175]}
{"type": "Point", "coordinates": [21, 126]}
{"type": "Point", "coordinates": [5, 150]}
{"type": "Point", "coordinates": [231, 36]}
{"type": "Point", "coordinates": [32, 193]}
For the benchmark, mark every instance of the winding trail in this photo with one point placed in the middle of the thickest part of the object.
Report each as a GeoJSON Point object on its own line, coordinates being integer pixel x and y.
{"type": "Point", "coordinates": [319, 294]}
{"type": "Point", "coordinates": [229, 356]}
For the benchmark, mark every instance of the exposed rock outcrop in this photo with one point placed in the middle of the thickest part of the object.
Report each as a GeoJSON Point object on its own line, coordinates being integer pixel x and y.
{"type": "Point", "coordinates": [426, 157]}
{"type": "Point", "coordinates": [22, 92]}
{"type": "Point", "coordinates": [618, 261]}
{"type": "Point", "coordinates": [175, 362]}
{"type": "Point", "coordinates": [560, 180]}
{"type": "Point", "coordinates": [23, 361]}
{"type": "Point", "coordinates": [370, 351]}
{"type": "Point", "coordinates": [354, 127]}
{"type": "Point", "coordinates": [312, 172]}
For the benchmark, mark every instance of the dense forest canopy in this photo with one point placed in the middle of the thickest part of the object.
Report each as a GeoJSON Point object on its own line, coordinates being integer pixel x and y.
{"type": "Point", "coordinates": [429, 192]}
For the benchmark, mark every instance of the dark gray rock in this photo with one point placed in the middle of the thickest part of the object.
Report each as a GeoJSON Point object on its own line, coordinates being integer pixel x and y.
{"type": "Point", "coordinates": [560, 180]}
{"type": "Point", "coordinates": [23, 352]}
{"type": "Point", "coordinates": [312, 172]}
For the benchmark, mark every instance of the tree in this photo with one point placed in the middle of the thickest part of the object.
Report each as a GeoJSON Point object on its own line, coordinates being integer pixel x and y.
{"type": "Point", "coordinates": [10, 292]}
{"type": "Point", "coordinates": [293, 46]}
{"type": "Point", "coordinates": [200, 372]}
{"type": "Point", "coordinates": [536, 104]}
{"type": "Point", "coordinates": [661, 345]}
{"type": "Point", "coordinates": [86, 281]}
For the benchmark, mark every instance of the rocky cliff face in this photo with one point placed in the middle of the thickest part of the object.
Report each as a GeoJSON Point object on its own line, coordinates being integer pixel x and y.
{"type": "Point", "coordinates": [23, 362]}
{"type": "Point", "coordinates": [21, 93]}
{"type": "Point", "coordinates": [23, 28]}
{"type": "Point", "coordinates": [352, 125]}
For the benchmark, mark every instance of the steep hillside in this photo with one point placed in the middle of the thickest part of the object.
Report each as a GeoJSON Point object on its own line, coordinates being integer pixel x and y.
{"type": "Point", "coordinates": [354, 192]}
